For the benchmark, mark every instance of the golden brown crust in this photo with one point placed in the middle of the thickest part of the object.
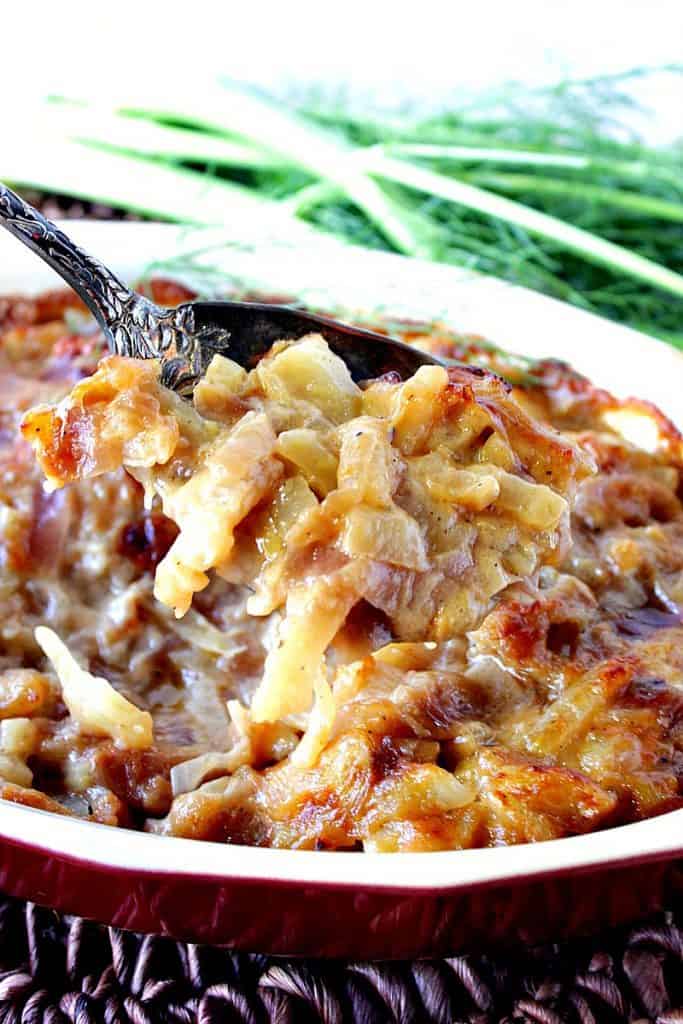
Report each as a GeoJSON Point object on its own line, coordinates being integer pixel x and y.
{"type": "Point", "coordinates": [463, 705]}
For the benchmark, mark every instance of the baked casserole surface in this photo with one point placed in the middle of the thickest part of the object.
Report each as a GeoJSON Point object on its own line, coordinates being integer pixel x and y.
{"type": "Point", "coordinates": [422, 615]}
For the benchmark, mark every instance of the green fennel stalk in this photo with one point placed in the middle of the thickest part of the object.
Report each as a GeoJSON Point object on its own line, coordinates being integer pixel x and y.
{"type": "Point", "coordinates": [536, 188]}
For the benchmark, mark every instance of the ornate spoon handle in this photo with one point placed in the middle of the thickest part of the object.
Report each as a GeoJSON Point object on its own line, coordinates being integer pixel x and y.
{"type": "Point", "coordinates": [133, 325]}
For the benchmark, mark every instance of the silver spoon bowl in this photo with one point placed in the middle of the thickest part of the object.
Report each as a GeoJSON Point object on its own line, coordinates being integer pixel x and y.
{"type": "Point", "coordinates": [187, 337]}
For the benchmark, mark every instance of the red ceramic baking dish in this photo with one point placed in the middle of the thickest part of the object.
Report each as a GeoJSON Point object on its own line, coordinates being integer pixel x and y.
{"type": "Point", "coordinates": [353, 904]}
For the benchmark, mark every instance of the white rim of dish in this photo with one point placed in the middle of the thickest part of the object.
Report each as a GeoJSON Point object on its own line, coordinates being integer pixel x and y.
{"type": "Point", "coordinates": [327, 273]}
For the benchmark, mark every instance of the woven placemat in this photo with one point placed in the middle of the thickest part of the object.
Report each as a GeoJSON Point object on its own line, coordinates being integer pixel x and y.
{"type": "Point", "coordinates": [56, 969]}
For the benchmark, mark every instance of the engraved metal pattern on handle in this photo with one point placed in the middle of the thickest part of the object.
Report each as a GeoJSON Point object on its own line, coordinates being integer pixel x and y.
{"type": "Point", "coordinates": [133, 325]}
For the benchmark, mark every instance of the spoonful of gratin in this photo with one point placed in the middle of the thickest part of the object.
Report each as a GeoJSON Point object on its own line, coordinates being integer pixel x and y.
{"type": "Point", "coordinates": [421, 499]}
{"type": "Point", "coordinates": [421, 495]}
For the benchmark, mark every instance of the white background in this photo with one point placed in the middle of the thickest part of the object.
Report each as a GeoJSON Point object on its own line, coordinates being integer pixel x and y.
{"type": "Point", "coordinates": [428, 52]}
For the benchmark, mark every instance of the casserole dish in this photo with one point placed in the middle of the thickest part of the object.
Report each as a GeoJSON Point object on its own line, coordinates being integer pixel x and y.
{"type": "Point", "coordinates": [298, 902]}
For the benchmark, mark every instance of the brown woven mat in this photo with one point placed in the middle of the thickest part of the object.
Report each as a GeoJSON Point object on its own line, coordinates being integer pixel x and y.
{"type": "Point", "coordinates": [60, 207]}
{"type": "Point", "coordinates": [55, 969]}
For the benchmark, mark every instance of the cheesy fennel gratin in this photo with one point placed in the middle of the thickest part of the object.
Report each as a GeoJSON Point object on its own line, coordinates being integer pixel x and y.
{"type": "Point", "coordinates": [420, 615]}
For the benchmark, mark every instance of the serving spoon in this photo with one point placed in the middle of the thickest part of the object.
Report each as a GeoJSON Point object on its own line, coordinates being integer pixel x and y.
{"type": "Point", "coordinates": [187, 337]}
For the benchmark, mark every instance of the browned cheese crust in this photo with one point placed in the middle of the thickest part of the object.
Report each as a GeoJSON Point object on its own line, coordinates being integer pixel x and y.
{"type": "Point", "coordinates": [429, 615]}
